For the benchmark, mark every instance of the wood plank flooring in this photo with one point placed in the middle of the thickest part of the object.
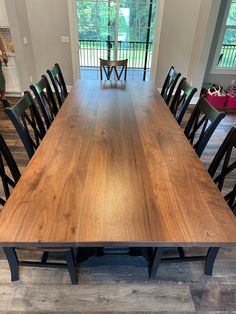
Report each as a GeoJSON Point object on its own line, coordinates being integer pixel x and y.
{"type": "Point", "coordinates": [120, 284]}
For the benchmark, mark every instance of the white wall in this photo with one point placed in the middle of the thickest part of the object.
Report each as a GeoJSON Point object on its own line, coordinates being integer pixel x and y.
{"type": "Point", "coordinates": [206, 23]}
{"type": "Point", "coordinates": [18, 20]}
{"type": "Point", "coordinates": [186, 34]}
{"type": "Point", "coordinates": [42, 22]}
{"type": "Point", "coordinates": [177, 35]}
{"type": "Point", "coordinates": [48, 21]}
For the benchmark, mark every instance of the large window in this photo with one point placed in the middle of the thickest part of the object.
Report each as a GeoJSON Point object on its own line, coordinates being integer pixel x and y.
{"type": "Point", "coordinates": [116, 29]}
{"type": "Point", "coordinates": [225, 58]}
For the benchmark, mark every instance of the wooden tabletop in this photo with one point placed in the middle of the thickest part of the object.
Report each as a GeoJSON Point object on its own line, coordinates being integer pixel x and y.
{"type": "Point", "coordinates": [116, 169]}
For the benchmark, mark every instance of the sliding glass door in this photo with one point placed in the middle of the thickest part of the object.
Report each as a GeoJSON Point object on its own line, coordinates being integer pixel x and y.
{"type": "Point", "coordinates": [116, 29]}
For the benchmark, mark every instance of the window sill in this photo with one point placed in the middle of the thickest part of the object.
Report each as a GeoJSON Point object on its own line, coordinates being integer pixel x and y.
{"type": "Point", "coordinates": [224, 71]}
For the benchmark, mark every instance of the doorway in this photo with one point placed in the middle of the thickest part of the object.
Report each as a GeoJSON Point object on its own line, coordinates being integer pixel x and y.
{"type": "Point", "coordinates": [115, 30]}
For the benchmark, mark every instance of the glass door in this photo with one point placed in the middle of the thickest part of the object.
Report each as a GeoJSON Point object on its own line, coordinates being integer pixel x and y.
{"type": "Point", "coordinates": [115, 30]}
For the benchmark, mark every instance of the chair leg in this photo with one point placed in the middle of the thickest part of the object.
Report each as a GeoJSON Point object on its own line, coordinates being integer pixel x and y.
{"type": "Point", "coordinates": [71, 266]}
{"type": "Point", "coordinates": [44, 257]}
{"type": "Point", "coordinates": [181, 252]}
{"type": "Point", "coordinates": [13, 262]}
{"type": "Point", "coordinates": [210, 260]}
{"type": "Point", "coordinates": [156, 260]}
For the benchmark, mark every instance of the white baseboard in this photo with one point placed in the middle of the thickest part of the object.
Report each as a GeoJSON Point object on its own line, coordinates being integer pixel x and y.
{"type": "Point", "coordinates": [20, 94]}
{"type": "Point", "coordinates": [14, 94]}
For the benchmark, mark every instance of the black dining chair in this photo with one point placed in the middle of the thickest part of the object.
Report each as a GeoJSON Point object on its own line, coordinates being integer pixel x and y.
{"type": "Point", "coordinates": [169, 84]}
{"type": "Point", "coordinates": [181, 100]}
{"type": "Point", "coordinates": [7, 160]}
{"type": "Point", "coordinates": [58, 83]}
{"type": "Point", "coordinates": [222, 166]}
{"type": "Point", "coordinates": [203, 121]}
{"type": "Point", "coordinates": [45, 98]}
{"type": "Point", "coordinates": [28, 123]}
{"type": "Point", "coordinates": [10, 175]}
{"type": "Point", "coordinates": [118, 67]}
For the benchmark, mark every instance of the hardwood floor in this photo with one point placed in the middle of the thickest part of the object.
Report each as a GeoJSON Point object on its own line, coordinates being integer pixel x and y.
{"type": "Point", "coordinates": [120, 284]}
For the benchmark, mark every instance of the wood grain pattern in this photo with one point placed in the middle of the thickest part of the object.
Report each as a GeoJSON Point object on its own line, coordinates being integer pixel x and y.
{"type": "Point", "coordinates": [115, 168]}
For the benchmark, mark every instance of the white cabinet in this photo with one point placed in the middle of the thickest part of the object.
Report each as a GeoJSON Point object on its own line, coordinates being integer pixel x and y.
{"type": "Point", "coordinates": [11, 77]}
{"type": "Point", "coordinates": [3, 15]}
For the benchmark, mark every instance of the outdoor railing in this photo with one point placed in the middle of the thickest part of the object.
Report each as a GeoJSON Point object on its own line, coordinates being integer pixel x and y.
{"type": "Point", "coordinates": [91, 51]}
{"type": "Point", "coordinates": [227, 56]}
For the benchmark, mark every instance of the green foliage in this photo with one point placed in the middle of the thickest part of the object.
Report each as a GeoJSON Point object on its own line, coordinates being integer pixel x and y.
{"type": "Point", "coordinates": [133, 19]}
{"type": "Point", "coordinates": [230, 33]}
{"type": "Point", "coordinates": [228, 53]}
{"type": "Point", "coordinates": [231, 20]}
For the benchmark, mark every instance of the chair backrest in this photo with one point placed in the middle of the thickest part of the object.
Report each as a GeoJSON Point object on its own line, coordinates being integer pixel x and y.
{"type": "Point", "coordinates": [44, 96]}
{"type": "Point", "coordinates": [204, 120]}
{"type": "Point", "coordinates": [223, 165]}
{"type": "Point", "coordinates": [169, 84]}
{"type": "Point", "coordinates": [118, 67]}
{"type": "Point", "coordinates": [11, 177]}
{"type": "Point", "coordinates": [181, 99]}
{"type": "Point", "coordinates": [28, 123]}
{"type": "Point", "coordinates": [58, 83]}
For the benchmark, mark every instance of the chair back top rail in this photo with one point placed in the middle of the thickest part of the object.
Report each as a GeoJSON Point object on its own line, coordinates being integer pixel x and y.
{"type": "Point", "coordinates": [113, 63]}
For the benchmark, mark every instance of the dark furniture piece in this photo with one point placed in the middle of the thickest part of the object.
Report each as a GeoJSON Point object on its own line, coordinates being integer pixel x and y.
{"type": "Point", "coordinates": [58, 83]}
{"type": "Point", "coordinates": [45, 98]}
{"type": "Point", "coordinates": [117, 67]}
{"type": "Point", "coordinates": [28, 123]}
{"type": "Point", "coordinates": [223, 165]}
{"type": "Point", "coordinates": [202, 122]}
{"type": "Point", "coordinates": [9, 178]}
{"type": "Point", "coordinates": [169, 84]}
{"type": "Point", "coordinates": [181, 99]}
{"type": "Point", "coordinates": [116, 170]}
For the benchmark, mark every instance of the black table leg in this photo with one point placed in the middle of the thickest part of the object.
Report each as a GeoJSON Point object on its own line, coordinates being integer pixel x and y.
{"type": "Point", "coordinates": [13, 262]}
{"type": "Point", "coordinates": [44, 257]}
{"type": "Point", "coordinates": [71, 266]}
{"type": "Point", "coordinates": [210, 260]}
{"type": "Point", "coordinates": [155, 263]}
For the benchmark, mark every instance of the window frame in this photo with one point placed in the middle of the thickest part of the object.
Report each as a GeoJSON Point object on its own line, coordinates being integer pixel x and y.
{"type": "Point", "coordinates": [221, 70]}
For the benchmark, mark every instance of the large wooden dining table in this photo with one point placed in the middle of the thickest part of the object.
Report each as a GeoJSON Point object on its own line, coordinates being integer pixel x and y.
{"type": "Point", "coordinates": [115, 169]}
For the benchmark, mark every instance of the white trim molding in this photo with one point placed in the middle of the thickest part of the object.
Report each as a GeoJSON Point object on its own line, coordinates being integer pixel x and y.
{"type": "Point", "coordinates": [214, 68]}
{"type": "Point", "coordinates": [74, 39]}
{"type": "Point", "coordinates": [156, 40]}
